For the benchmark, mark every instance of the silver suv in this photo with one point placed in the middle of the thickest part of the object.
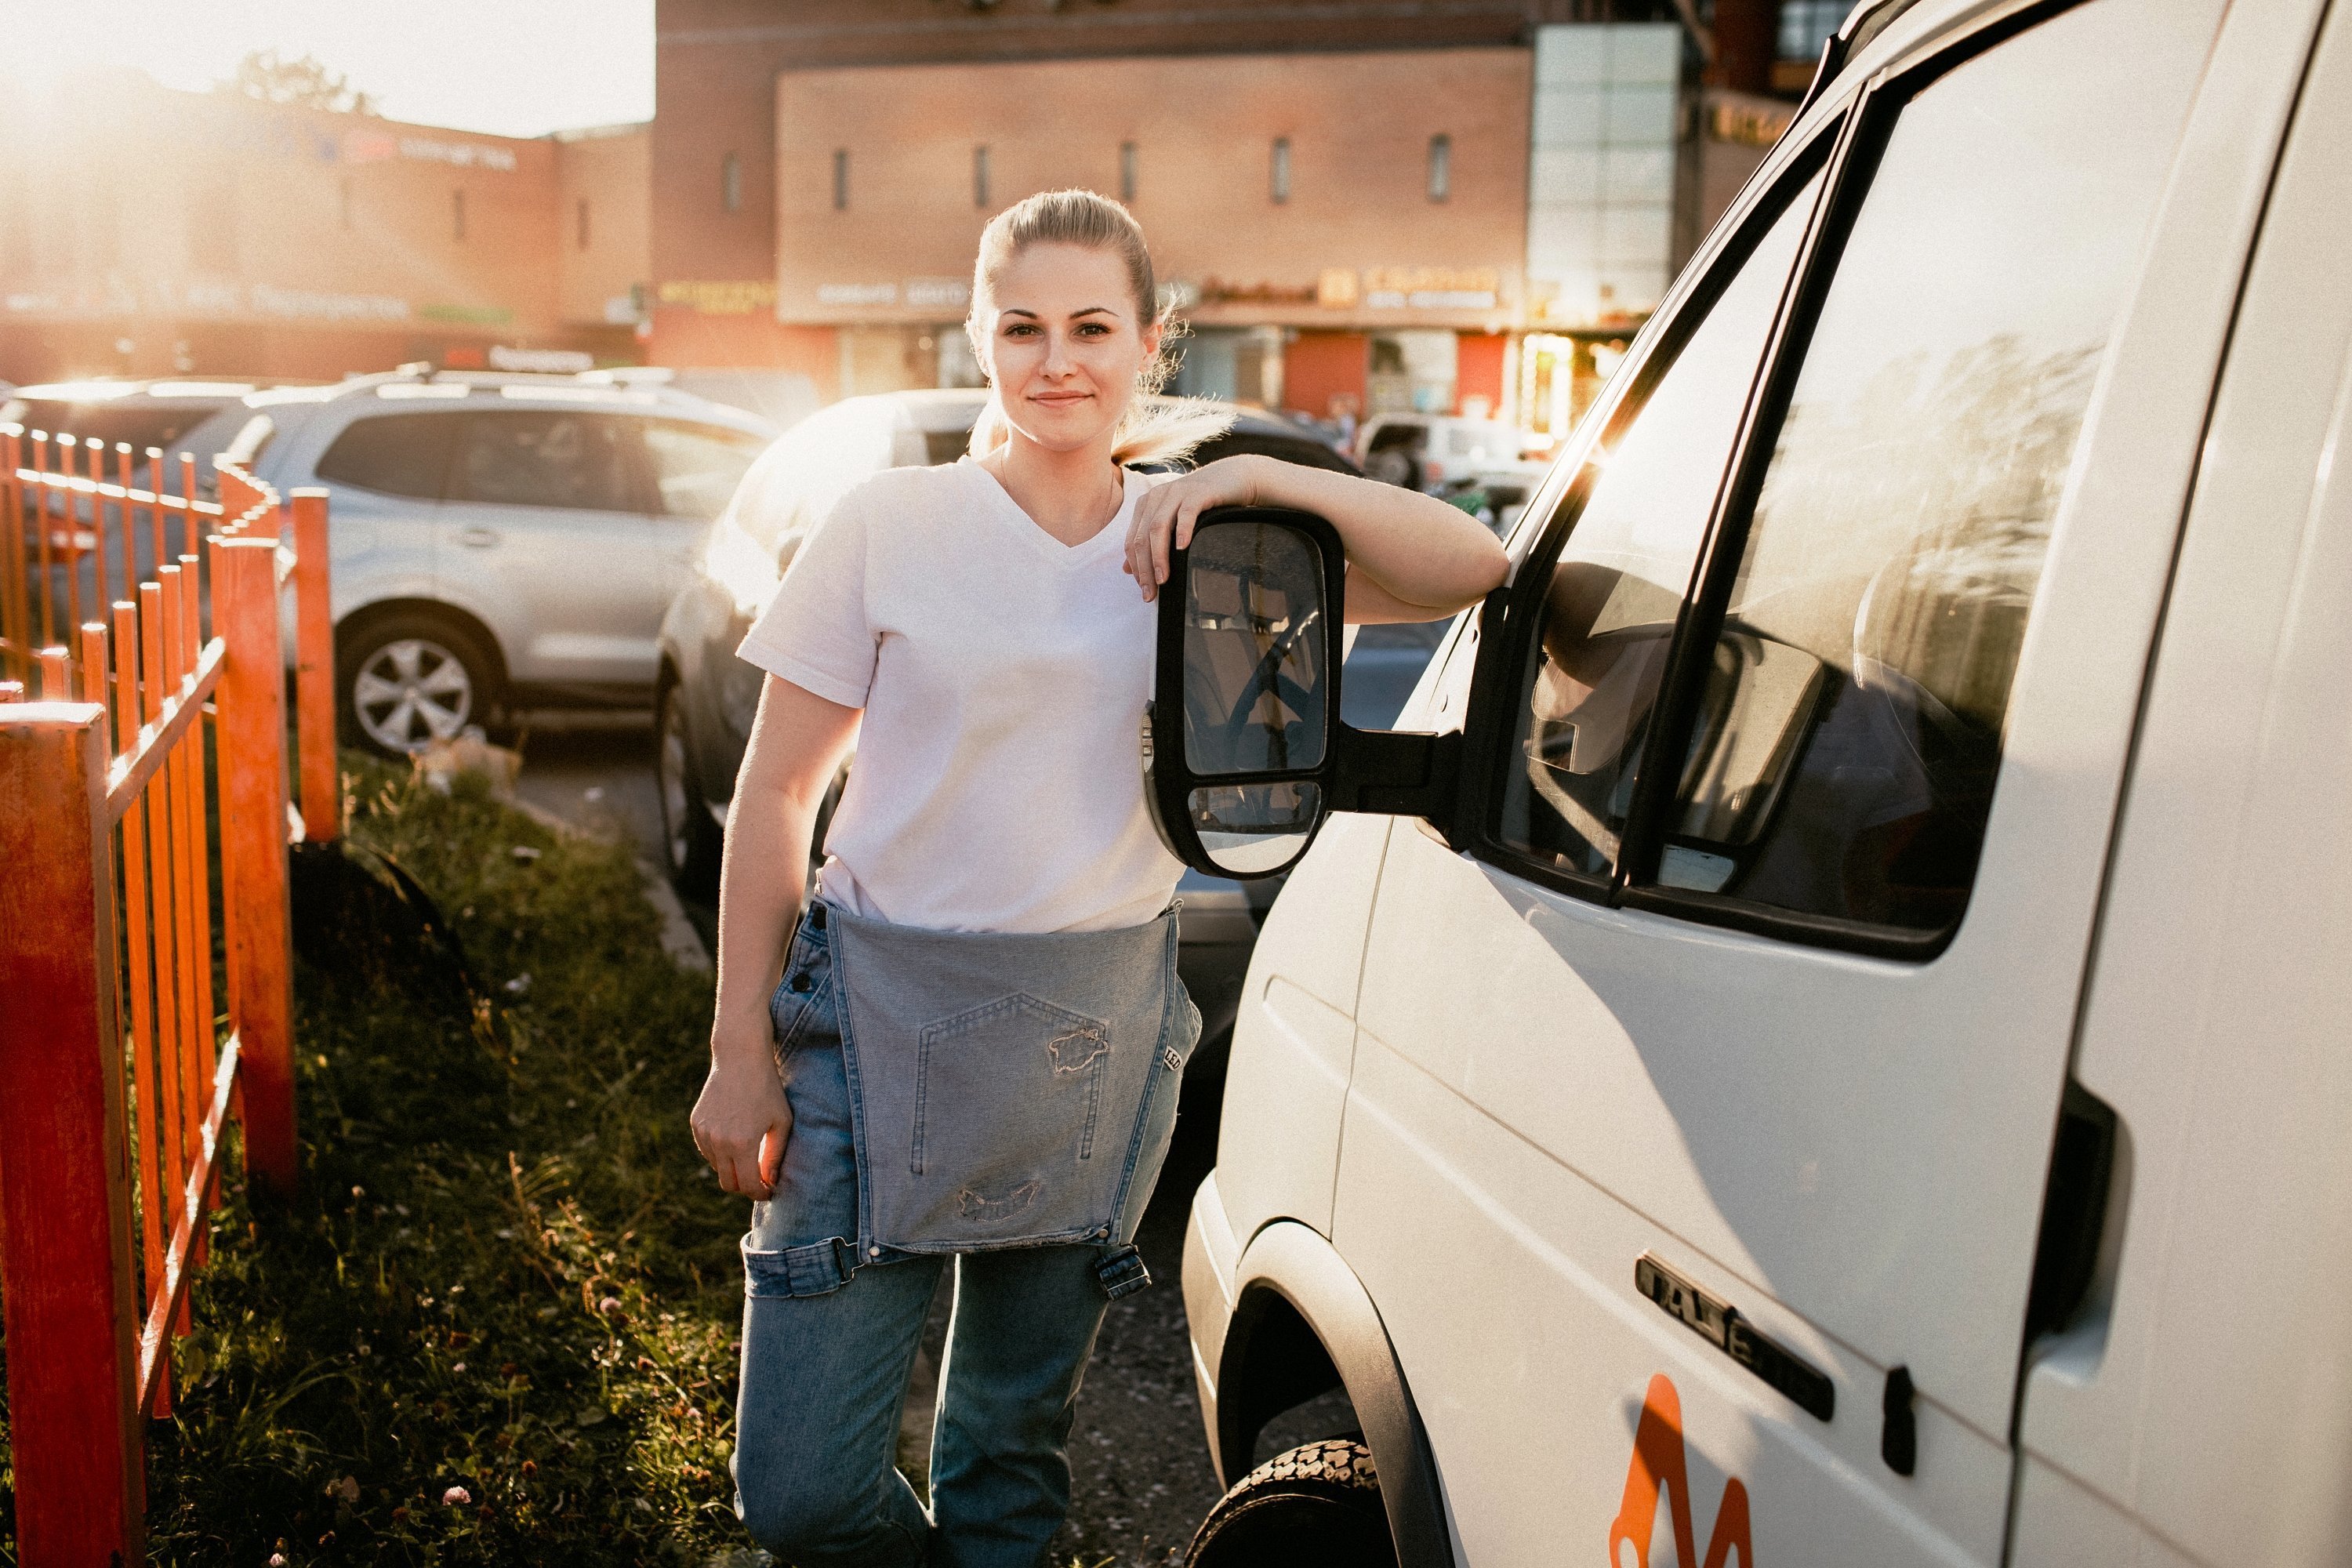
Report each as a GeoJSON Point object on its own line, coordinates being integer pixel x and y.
{"type": "Point", "coordinates": [499, 541]}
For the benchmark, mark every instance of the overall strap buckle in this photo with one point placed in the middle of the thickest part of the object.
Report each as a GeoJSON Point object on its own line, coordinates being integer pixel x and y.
{"type": "Point", "coordinates": [1121, 1272]}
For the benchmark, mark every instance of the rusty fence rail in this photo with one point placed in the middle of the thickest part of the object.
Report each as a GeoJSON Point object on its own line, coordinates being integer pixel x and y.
{"type": "Point", "coordinates": [132, 855]}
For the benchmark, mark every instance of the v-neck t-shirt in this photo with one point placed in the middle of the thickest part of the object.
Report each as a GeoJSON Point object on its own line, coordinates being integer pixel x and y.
{"type": "Point", "coordinates": [999, 779]}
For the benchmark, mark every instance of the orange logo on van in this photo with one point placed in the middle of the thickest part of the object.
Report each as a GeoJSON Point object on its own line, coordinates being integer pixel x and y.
{"type": "Point", "coordinates": [1659, 1466]}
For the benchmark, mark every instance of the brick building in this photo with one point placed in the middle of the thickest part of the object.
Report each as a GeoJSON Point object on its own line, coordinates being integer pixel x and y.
{"type": "Point", "coordinates": [1457, 205]}
{"type": "Point", "coordinates": [146, 231]}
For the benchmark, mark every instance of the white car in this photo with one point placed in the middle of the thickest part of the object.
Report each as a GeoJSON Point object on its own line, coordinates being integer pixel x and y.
{"type": "Point", "coordinates": [1429, 451]}
{"type": "Point", "coordinates": [1825, 1042]}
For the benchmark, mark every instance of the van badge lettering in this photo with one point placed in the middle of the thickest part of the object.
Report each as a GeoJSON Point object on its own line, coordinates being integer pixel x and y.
{"type": "Point", "coordinates": [1659, 1465]}
{"type": "Point", "coordinates": [1720, 1325]}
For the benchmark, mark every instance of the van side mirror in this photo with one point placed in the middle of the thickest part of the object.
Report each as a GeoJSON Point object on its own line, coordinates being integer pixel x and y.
{"type": "Point", "coordinates": [1244, 751]}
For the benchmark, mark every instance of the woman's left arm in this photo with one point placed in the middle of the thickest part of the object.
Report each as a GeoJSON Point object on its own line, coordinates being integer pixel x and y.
{"type": "Point", "coordinates": [1411, 556]}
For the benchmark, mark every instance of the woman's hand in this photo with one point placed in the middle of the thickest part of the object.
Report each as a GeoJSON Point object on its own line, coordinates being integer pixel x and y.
{"type": "Point", "coordinates": [1170, 511]}
{"type": "Point", "coordinates": [741, 1119]}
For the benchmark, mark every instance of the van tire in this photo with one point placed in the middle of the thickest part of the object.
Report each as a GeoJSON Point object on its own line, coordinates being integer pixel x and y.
{"type": "Point", "coordinates": [1315, 1507]}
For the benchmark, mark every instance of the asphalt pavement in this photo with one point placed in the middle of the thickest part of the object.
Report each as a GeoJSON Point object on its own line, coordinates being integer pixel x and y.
{"type": "Point", "coordinates": [1140, 1473]}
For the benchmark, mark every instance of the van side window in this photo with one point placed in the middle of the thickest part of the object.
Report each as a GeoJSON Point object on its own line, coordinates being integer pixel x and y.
{"type": "Point", "coordinates": [1608, 617]}
{"type": "Point", "coordinates": [1847, 740]}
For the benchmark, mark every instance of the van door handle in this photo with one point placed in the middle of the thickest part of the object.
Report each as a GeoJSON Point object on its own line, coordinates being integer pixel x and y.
{"type": "Point", "coordinates": [479, 538]}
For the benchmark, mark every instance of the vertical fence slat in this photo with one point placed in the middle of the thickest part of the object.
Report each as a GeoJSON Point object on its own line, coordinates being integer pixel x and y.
{"type": "Point", "coordinates": [13, 627]}
{"type": "Point", "coordinates": [70, 1297]}
{"type": "Point", "coordinates": [123, 477]}
{"type": "Point", "coordinates": [253, 852]}
{"type": "Point", "coordinates": [199, 896]}
{"type": "Point", "coordinates": [147, 1122]}
{"type": "Point", "coordinates": [314, 669]}
{"type": "Point", "coordinates": [174, 776]}
{"type": "Point", "coordinates": [66, 447]}
{"type": "Point", "coordinates": [41, 532]}
{"type": "Point", "coordinates": [56, 675]}
{"type": "Point", "coordinates": [169, 1115]}
{"type": "Point", "coordinates": [187, 504]}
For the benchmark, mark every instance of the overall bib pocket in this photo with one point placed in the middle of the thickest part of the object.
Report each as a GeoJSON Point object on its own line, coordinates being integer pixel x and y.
{"type": "Point", "coordinates": [1007, 1089]}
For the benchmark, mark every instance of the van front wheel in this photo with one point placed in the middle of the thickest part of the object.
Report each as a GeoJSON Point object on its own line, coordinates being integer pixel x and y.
{"type": "Point", "coordinates": [1314, 1507]}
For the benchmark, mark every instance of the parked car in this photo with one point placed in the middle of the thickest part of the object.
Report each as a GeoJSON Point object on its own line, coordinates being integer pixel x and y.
{"type": "Point", "coordinates": [706, 696]}
{"type": "Point", "coordinates": [1427, 451]}
{"type": "Point", "coordinates": [139, 413]}
{"type": "Point", "coordinates": [1838, 1055]}
{"type": "Point", "coordinates": [500, 541]}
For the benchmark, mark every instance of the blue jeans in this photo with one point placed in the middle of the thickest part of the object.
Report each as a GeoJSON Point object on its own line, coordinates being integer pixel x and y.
{"type": "Point", "coordinates": [827, 1353]}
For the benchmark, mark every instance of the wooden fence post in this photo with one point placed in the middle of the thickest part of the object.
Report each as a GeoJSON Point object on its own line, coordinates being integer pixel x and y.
{"type": "Point", "coordinates": [314, 670]}
{"type": "Point", "coordinates": [71, 1295]}
{"type": "Point", "coordinates": [252, 751]}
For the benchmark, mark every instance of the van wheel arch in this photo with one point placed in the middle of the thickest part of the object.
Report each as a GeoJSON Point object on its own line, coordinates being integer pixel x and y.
{"type": "Point", "coordinates": [1303, 1324]}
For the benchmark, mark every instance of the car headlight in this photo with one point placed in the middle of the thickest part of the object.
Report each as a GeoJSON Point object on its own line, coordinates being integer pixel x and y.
{"type": "Point", "coordinates": [734, 559]}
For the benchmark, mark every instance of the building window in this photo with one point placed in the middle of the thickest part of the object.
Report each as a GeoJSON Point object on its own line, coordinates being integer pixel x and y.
{"type": "Point", "coordinates": [457, 215]}
{"type": "Point", "coordinates": [581, 223]}
{"type": "Point", "coordinates": [841, 180]}
{"type": "Point", "coordinates": [1441, 167]}
{"type": "Point", "coordinates": [979, 177]}
{"type": "Point", "coordinates": [1278, 172]}
{"type": "Point", "coordinates": [730, 182]}
{"type": "Point", "coordinates": [1127, 170]}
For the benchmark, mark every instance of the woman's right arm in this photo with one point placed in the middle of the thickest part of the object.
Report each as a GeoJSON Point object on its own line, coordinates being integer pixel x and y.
{"type": "Point", "coordinates": [798, 739]}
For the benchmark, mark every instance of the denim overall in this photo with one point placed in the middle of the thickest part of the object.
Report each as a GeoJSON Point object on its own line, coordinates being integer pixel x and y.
{"type": "Point", "coordinates": [1004, 1101]}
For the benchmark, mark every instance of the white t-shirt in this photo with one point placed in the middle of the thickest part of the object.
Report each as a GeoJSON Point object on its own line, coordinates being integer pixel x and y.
{"type": "Point", "coordinates": [999, 780]}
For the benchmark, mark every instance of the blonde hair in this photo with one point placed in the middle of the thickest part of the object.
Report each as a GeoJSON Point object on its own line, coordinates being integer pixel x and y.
{"type": "Point", "coordinates": [1152, 429]}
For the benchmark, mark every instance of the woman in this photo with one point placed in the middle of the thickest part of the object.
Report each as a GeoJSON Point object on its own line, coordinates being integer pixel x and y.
{"type": "Point", "coordinates": [989, 956]}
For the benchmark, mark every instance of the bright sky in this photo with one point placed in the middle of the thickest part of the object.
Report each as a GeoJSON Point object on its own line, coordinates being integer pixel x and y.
{"type": "Point", "coordinates": [512, 68]}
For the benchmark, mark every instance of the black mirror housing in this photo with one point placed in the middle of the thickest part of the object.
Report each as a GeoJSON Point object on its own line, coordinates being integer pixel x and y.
{"type": "Point", "coordinates": [1244, 754]}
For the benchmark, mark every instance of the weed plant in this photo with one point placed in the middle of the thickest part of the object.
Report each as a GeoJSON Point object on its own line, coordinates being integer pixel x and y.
{"type": "Point", "coordinates": [497, 1321]}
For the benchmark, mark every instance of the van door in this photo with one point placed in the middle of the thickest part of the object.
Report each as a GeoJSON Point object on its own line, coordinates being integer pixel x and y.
{"type": "Point", "coordinates": [546, 526]}
{"type": "Point", "coordinates": [1697, 1139]}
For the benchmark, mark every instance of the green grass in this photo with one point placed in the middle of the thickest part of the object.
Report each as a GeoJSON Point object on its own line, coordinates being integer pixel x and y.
{"type": "Point", "coordinates": [505, 1271]}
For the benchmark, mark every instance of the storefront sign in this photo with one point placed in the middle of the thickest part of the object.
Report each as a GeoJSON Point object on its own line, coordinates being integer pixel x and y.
{"type": "Point", "coordinates": [938, 293]}
{"type": "Point", "coordinates": [382, 146]}
{"type": "Point", "coordinates": [1412, 288]}
{"type": "Point", "coordinates": [857, 293]}
{"type": "Point", "coordinates": [467, 315]}
{"type": "Point", "coordinates": [1747, 124]}
{"type": "Point", "coordinates": [1217, 291]}
{"type": "Point", "coordinates": [215, 297]}
{"type": "Point", "coordinates": [551, 361]}
{"type": "Point", "coordinates": [319, 305]}
{"type": "Point", "coordinates": [718, 296]}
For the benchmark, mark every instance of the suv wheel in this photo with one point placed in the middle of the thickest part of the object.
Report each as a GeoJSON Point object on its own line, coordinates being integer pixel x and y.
{"type": "Point", "coordinates": [410, 678]}
{"type": "Point", "coordinates": [1314, 1507]}
{"type": "Point", "coordinates": [691, 842]}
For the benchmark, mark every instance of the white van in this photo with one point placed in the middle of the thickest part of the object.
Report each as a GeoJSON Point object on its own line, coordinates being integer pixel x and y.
{"type": "Point", "coordinates": [1827, 1046]}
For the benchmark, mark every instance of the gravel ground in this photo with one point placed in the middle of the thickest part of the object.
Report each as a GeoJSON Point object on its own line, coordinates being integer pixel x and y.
{"type": "Point", "coordinates": [1140, 1473]}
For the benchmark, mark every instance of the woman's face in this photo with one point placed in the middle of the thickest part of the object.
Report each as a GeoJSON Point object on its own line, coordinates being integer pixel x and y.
{"type": "Point", "coordinates": [1063, 343]}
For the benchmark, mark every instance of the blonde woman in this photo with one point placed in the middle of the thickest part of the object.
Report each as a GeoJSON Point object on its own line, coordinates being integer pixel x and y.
{"type": "Point", "coordinates": [966, 1046]}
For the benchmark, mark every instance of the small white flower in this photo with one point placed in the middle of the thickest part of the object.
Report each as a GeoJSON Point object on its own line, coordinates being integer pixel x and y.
{"type": "Point", "coordinates": [458, 1367]}
{"type": "Point", "coordinates": [456, 1497]}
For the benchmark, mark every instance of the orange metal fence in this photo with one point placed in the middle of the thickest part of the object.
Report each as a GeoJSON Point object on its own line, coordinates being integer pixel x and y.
{"type": "Point", "coordinates": [131, 858]}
